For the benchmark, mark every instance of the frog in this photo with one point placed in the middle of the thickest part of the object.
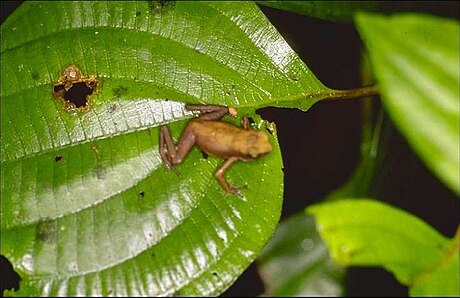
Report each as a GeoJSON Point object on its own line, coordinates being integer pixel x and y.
{"type": "Point", "coordinates": [217, 138]}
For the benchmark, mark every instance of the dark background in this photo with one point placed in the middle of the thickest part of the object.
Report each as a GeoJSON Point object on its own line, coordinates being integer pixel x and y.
{"type": "Point", "coordinates": [320, 147]}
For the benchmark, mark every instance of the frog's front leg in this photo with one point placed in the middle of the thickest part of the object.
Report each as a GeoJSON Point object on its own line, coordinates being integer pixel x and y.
{"type": "Point", "coordinates": [211, 112]}
{"type": "Point", "coordinates": [221, 178]}
{"type": "Point", "coordinates": [175, 154]}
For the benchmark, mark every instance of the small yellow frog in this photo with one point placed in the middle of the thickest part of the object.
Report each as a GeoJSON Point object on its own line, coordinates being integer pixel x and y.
{"type": "Point", "coordinates": [216, 138]}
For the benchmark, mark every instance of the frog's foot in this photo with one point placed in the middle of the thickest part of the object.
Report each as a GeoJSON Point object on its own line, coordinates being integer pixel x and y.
{"type": "Point", "coordinates": [211, 112]}
{"type": "Point", "coordinates": [234, 191]}
{"type": "Point", "coordinates": [238, 190]}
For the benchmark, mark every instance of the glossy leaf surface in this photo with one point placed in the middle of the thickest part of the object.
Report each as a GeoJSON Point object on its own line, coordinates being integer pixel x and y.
{"type": "Point", "coordinates": [416, 62]}
{"type": "Point", "coordinates": [342, 11]}
{"type": "Point", "coordinates": [87, 207]}
{"type": "Point", "coordinates": [371, 233]}
{"type": "Point", "coordinates": [296, 262]}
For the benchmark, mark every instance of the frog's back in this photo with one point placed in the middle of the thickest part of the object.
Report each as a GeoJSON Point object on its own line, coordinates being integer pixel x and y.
{"type": "Point", "coordinates": [222, 139]}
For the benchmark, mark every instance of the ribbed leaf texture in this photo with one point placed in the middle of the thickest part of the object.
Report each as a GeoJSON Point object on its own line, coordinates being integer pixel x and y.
{"type": "Point", "coordinates": [87, 206]}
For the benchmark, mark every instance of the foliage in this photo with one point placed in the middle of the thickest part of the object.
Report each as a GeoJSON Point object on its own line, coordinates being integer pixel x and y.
{"type": "Point", "coordinates": [363, 232]}
{"type": "Point", "coordinates": [88, 209]}
{"type": "Point", "coordinates": [87, 206]}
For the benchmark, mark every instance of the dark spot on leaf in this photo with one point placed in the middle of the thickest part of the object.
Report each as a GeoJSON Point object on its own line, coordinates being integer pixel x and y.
{"type": "Point", "coordinates": [215, 274]}
{"type": "Point", "coordinates": [142, 194]}
{"type": "Point", "coordinates": [158, 6]}
{"type": "Point", "coordinates": [35, 75]}
{"type": "Point", "coordinates": [113, 108]}
{"type": "Point", "coordinates": [119, 91]}
{"type": "Point", "coordinates": [178, 293]}
{"type": "Point", "coordinates": [204, 154]}
{"type": "Point", "coordinates": [10, 278]}
{"type": "Point", "coordinates": [269, 130]}
{"type": "Point", "coordinates": [152, 255]}
{"type": "Point", "coordinates": [100, 172]}
{"type": "Point", "coordinates": [294, 78]}
{"type": "Point", "coordinates": [57, 158]}
{"type": "Point", "coordinates": [138, 13]}
{"type": "Point", "coordinates": [46, 232]}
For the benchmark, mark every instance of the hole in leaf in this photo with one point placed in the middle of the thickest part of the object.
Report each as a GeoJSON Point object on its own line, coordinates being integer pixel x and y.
{"type": "Point", "coordinates": [142, 194]}
{"type": "Point", "coordinates": [77, 94]}
{"type": "Point", "coordinates": [10, 278]}
{"type": "Point", "coordinates": [74, 89]}
{"type": "Point", "coordinates": [57, 158]}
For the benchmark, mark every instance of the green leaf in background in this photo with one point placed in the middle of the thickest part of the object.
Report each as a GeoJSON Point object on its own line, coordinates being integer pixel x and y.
{"type": "Point", "coordinates": [443, 278]}
{"type": "Point", "coordinates": [296, 262]}
{"type": "Point", "coordinates": [344, 11]}
{"type": "Point", "coordinates": [368, 232]}
{"type": "Point", "coordinates": [329, 10]}
{"type": "Point", "coordinates": [87, 207]}
{"type": "Point", "coordinates": [416, 62]}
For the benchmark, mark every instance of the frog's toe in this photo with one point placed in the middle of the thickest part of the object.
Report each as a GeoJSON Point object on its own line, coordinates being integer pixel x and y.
{"type": "Point", "coordinates": [235, 191]}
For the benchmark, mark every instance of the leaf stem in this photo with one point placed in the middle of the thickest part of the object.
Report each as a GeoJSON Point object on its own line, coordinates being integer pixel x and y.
{"type": "Point", "coordinates": [348, 94]}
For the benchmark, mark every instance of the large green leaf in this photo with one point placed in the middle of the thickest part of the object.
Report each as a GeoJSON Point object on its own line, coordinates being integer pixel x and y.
{"type": "Point", "coordinates": [344, 11]}
{"type": "Point", "coordinates": [87, 207]}
{"type": "Point", "coordinates": [368, 232]}
{"type": "Point", "coordinates": [416, 62]}
{"type": "Point", "coordinates": [296, 262]}
{"type": "Point", "coordinates": [329, 10]}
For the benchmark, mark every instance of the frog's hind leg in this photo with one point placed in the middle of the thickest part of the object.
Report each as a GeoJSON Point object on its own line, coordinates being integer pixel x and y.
{"type": "Point", "coordinates": [211, 112]}
{"type": "Point", "coordinates": [167, 152]}
{"type": "Point", "coordinates": [221, 178]}
{"type": "Point", "coordinates": [172, 154]}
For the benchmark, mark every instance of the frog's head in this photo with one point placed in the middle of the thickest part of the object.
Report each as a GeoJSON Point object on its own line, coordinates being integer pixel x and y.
{"type": "Point", "coordinates": [258, 144]}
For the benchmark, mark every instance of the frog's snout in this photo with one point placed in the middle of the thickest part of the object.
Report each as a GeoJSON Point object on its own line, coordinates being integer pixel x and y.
{"type": "Point", "coordinates": [260, 144]}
